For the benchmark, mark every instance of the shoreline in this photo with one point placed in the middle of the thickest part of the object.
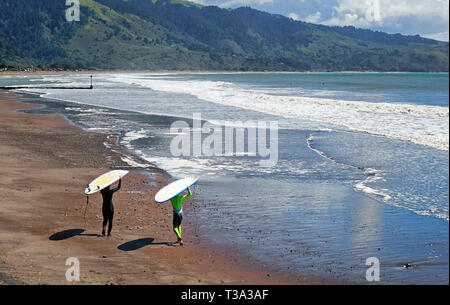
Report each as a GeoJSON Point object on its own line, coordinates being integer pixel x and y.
{"type": "Point", "coordinates": [430, 136]}
{"type": "Point", "coordinates": [348, 209]}
{"type": "Point", "coordinates": [94, 72]}
{"type": "Point", "coordinates": [46, 163]}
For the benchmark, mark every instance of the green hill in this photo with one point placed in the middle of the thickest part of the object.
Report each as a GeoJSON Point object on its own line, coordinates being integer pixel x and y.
{"type": "Point", "coordinates": [180, 35]}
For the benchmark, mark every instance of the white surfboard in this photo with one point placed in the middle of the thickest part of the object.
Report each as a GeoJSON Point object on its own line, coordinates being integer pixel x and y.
{"type": "Point", "coordinates": [103, 181]}
{"type": "Point", "coordinates": [173, 189]}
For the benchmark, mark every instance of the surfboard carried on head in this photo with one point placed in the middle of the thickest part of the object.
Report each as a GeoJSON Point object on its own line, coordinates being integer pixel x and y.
{"type": "Point", "coordinates": [104, 181]}
{"type": "Point", "coordinates": [175, 188]}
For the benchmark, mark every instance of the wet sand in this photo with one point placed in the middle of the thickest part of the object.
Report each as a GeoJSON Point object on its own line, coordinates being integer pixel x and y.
{"type": "Point", "coordinates": [45, 164]}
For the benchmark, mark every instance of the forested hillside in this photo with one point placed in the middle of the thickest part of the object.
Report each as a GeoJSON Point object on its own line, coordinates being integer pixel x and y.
{"type": "Point", "coordinates": [179, 35]}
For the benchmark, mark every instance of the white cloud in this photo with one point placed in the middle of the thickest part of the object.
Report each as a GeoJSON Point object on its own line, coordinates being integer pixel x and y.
{"type": "Point", "coordinates": [429, 18]}
{"type": "Point", "coordinates": [382, 12]}
{"type": "Point", "coordinates": [230, 3]}
{"type": "Point", "coordinates": [313, 18]}
{"type": "Point", "coordinates": [444, 36]}
{"type": "Point", "coordinates": [414, 8]}
{"type": "Point", "coordinates": [348, 19]}
{"type": "Point", "coordinates": [294, 16]}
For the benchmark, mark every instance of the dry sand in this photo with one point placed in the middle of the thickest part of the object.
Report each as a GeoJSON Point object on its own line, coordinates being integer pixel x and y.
{"type": "Point", "coordinates": [45, 164]}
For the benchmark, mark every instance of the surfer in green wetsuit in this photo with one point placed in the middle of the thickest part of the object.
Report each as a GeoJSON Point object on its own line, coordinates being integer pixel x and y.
{"type": "Point", "coordinates": [177, 204]}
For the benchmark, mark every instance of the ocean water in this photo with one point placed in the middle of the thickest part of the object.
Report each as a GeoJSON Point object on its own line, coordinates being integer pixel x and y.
{"type": "Point", "coordinates": [361, 171]}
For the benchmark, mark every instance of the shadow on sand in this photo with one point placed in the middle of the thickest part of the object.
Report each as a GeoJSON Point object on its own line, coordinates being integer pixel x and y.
{"type": "Point", "coordinates": [140, 243]}
{"type": "Point", "coordinates": [66, 234]}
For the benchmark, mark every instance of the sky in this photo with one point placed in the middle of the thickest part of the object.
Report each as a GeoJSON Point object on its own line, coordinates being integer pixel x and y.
{"type": "Point", "coordinates": [428, 18]}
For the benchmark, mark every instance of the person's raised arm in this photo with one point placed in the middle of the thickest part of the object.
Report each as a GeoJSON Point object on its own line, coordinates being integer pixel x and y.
{"type": "Point", "coordinates": [189, 194]}
{"type": "Point", "coordinates": [118, 187]}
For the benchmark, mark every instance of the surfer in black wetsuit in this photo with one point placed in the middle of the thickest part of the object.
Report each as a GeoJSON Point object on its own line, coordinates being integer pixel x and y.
{"type": "Point", "coordinates": [108, 207]}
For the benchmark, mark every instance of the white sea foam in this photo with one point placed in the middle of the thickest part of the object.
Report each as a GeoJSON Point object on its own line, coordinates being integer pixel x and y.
{"type": "Point", "coordinates": [373, 175]}
{"type": "Point", "coordinates": [133, 163]}
{"type": "Point", "coordinates": [178, 167]}
{"type": "Point", "coordinates": [133, 135]}
{"type": "Point", "coordinates": [90, 110]}
{"type": "Point", "coordinates": [426, 125]}
{"type": "Point", "coordinates": [97, 129]}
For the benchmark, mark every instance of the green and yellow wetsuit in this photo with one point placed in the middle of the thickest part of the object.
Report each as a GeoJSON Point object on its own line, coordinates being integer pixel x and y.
{"type": "Point", "coordinates": [177, 204]}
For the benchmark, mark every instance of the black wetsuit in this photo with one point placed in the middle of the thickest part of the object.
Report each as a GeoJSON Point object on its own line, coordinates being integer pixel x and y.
{"type": "Point", "coordinates": [108, 207]}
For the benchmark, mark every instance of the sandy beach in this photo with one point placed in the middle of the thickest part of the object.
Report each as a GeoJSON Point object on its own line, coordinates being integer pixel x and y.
{"type": "Point", "coordinates": [335, 198]}
{"type": "Point", "coordinates": [201, 147]}
{"type": "Point", "coordinates": [46, 163]}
